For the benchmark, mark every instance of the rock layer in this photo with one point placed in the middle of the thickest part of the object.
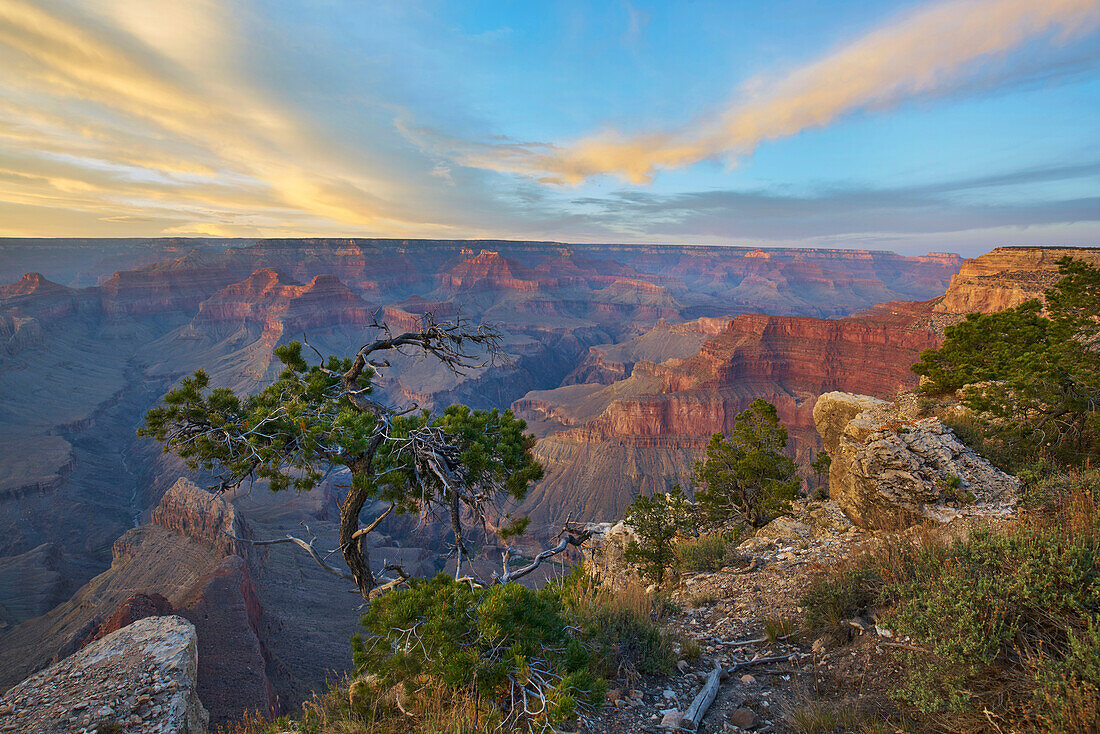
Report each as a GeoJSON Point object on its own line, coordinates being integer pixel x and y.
{"type": "Point", "coordinates": [183, 561]}
{"type": "Point", "coordinates": [140, 679]}
{"type": "Point", "coordinates": [1007, 277]}
{"type": "Point", "coordinates": [889, 471]}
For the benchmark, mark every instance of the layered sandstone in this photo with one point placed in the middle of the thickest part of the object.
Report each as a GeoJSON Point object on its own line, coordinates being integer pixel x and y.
{"type": "Point", "coordinates": [491, 270]}
{"type": "Point", "coordinates": [602, 444]}
{"type": "Point", "coordinates": [191, 512]}
{"type": "Point", "coordinates": [1008, 276]}
{"type": "Point", "coordinates": [80, 366]}
{"type": "Point", "coordinates": [184, 561]}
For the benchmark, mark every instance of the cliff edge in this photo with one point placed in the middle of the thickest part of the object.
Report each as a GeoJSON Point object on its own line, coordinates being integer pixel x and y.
{"type": "Point", "coordinates": [140, 679]}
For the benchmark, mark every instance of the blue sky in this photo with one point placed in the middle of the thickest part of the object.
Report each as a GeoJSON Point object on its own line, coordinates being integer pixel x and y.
{"type": "Point", "coordinates": [954, 125]}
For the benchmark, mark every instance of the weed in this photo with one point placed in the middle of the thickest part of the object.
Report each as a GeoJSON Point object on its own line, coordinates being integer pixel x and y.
{"type": "Point", "coordinates": [812, 718]}
{"type": "Point", "coordinates": [776, 628]}
{"type": "Point", "coordinates": [707, 552]}
{"type": "Point", "coordinates": [690, 649]}
{"type": "Point", "coordinates": [836, 596]}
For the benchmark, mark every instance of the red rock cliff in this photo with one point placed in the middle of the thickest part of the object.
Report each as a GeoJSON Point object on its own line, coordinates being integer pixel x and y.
{"type": "Point", "coordinates": [1007, 277]}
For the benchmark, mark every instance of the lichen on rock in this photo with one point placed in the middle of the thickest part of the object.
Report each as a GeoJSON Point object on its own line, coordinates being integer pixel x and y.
{"type": "Point", "coordinates": [890, 471]}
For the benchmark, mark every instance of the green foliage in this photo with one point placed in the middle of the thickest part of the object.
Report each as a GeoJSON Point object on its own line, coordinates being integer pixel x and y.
{"type": "Point", "coordinates": [820, 467]}
{"type": "Point", "coordinates": [837, 596]}
{"type": "Point", "coordinates": [494, 641]}
{"type": "Point", "coordinates": [657, 520]}
{"type": "Point", "coordinates": [1034, 378]}
{"type": "Point", "coordinates": [708, 552]}
{"type": "Point", "coordinates": [1046, 490]}
{"type": "Point", "coordinates": [747, 476]}
{"type": "Point", "coordinates": [1005, 620]}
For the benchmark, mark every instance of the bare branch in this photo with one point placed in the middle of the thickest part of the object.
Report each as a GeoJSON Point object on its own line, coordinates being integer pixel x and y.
{"type": "Point", "coordinates": [570, 539]}
{"type": "Point", "coordinates": [364, 531]}
{"type": "Point", "coordinates": [307, 547]}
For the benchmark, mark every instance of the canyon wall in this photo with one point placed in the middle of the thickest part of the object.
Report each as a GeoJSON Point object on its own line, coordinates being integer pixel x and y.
{"type": "Point", "coordinates": [1007, 277]}
{"type": "Point", "coordinates": [88, 344]}
{"type": "Point", "coordinates": [603, 444]}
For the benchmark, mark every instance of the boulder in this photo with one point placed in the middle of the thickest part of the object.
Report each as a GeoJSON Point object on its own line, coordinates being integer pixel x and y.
{"type": "Point", "coordinates": [889, 471]}
{"type": "Point", "coordinates": [137, 680]}
{"type": "Point", "coordinates": [604, 553]}
{"type": "Point", "coordinates": [834, 410]}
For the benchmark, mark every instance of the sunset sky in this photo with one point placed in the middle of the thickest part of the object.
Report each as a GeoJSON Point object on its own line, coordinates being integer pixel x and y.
{"type": "Point", "coordinates": [909, 126]}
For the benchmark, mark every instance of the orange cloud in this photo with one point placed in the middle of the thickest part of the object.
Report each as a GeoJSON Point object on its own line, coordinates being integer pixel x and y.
{"type": "Point", "coordinates": [928, 51]}
{"type": "Point", "coordinates": [118, 114]}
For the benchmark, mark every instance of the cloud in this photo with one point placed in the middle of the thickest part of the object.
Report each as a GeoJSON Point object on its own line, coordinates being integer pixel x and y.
{"type": "Point", "coordinates": [116, 113]}
{"type": "Point", "coordinates": [853, 211]}
{"type": "Point", "coordinates": [939, 48]}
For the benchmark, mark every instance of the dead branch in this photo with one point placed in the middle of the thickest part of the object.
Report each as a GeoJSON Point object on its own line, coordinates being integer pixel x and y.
{"type": "Point", "coordinates": [704, 699]}
{"type": "Point", "coordinates": [364, 531]}
{"type": "Point", "coordinates": [760, 661]}
{"type": "Point", "coordinates": [306, 546]}
{"type": "Point", "coordinates": [570, 539]}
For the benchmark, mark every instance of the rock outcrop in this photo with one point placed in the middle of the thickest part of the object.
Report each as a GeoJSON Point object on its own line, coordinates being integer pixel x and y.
{"type": "Point", "coordinates": [1007, 277]}
{"type": "Point", "coordinates": [140, 679]}
{"type": "Point", "coordinates": [187, 510]}
{"type": "Point", "coordinates": [184, 562]}
{"type": "Point", "coordinates": [601, 445]}
{"type": "Point", "coordinates": [889, 471]}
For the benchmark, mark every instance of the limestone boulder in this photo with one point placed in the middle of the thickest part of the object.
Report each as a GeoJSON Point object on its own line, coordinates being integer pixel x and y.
{"type": "Point", "coordinates": [140, 679]}
{"type": "Point", "coordinates": [890, 471]}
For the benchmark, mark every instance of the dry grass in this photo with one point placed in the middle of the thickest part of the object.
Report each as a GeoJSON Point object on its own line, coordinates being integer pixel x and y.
{"type": "Point", "coordinates": [776, 628]}
{"type": "Point", "coordinates": [432, 709]}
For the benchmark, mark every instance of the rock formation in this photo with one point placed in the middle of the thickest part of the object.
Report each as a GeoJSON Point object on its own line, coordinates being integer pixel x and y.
{"type": "Point", "coordinates": [140, 679]}
{"type": "Point", "coordinates": [183, 561]}
{"type": "Point", "coordinates": [889, 471]}
{"type": "Point", "coordinates": [600, 444]}
{"type": "Point", "coordinates": [88, 347]}
{"type": "Point", "coordinates": [1007, 277]}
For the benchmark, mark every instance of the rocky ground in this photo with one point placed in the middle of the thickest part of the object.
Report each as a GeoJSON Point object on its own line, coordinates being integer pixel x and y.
{"type": "Point", "coordinates": [728, 613]}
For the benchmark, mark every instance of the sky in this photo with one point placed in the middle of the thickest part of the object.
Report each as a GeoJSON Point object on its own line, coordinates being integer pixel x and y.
{"type": "Point", "coordinates": [913, 126]}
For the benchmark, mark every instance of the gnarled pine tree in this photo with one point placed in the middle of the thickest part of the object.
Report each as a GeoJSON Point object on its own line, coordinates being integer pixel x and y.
{"type": "Point", "coordinates": [318, 417]}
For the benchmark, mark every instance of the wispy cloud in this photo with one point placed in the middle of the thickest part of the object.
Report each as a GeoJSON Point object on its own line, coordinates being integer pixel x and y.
{"type": "Point", "coordinates": [114, 116]}
{"type": "Point", "coordinates": [933, 51]}
{"type": "Point", "coordinates": [848, 211]}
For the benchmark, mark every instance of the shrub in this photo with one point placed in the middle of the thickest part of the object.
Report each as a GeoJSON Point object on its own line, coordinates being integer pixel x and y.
{"type": "Point", "coordinates": [1016, 610]}
{"type": "Point", "coordinates": [837, 596]}
{"type": "Point", "coordinates": [708, 552]}
{"type": "Point", "coordinates": [1031, 374]}
{"type": "Point", "coordinates": [657, 520]}
{"type": "Point", "coordinates": [496, 643]}
{"type": "Point", "coordinates": [620, 623]}
{"type": "Point", "coordinates": [747, 476]}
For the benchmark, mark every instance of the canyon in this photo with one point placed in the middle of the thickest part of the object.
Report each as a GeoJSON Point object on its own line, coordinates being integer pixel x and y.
{"type": "Point", "coordinates": [623, 360]}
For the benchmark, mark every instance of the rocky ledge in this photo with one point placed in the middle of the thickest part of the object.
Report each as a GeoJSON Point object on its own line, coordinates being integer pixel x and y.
{"type": "Point", "coordinates": [889, 471]}
{"type": "Point", "coordinates": [137, 680]}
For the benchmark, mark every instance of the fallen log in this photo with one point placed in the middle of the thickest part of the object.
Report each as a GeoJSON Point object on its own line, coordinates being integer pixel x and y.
{"type": "Point", "coordinates": [703, 700]}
